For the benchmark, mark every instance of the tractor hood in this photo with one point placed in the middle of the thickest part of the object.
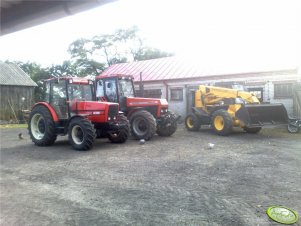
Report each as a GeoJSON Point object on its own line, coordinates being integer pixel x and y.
{"type": "Point", "coordinates": [139, 101]}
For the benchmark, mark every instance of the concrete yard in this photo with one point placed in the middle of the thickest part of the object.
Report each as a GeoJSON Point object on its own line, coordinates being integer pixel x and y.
{"type": "Point", "coordinates": [176, 180]}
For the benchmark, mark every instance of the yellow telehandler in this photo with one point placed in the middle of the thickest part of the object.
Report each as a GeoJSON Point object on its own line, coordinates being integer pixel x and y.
{"type": "Point", "coordinates": [224, 108]}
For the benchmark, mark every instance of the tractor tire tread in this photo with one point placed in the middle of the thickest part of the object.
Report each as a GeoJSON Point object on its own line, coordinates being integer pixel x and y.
{"type": "Point", "coordinates": [89, 133]}
{"type": "Point", "coordinates": [228, 122]}
{"type": "Point", "coordinates": [152, 125]}
{"type": "Point", "coordinates": [50, 134]}
{"type": "Point", "coordinates": [168, 131]}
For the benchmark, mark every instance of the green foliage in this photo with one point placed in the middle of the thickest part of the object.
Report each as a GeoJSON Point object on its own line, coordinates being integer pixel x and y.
{"type": "Point", "coordinates": [124, 45]}
{"type": "Point", "coordinates": [151, 53]}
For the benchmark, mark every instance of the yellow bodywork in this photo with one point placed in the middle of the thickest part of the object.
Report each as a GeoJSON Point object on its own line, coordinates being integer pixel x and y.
{"type": "Point", "coordinates": [207, 96]}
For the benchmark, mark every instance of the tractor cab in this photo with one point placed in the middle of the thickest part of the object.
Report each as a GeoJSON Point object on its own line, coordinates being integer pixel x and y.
{"type": "Point", "coordinates": [64, 95]}
{"type": "Point", "coordinates": [115, 89]}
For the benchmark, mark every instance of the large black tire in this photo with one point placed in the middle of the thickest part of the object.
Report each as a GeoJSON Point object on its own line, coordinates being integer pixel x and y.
{"type": "Point", "coordinates": [123, 134]}
{"type": "Point", "coordinates": [81, 134]}
{"type": "Point", "coordinates": [143, 125]}
{"type": "Point", "coordinates": [170, 126]}
{"type": "Point", "coordinates": [221, 122]}
{"type": "Point", "coordinates": [41, 126]}
{"type": "Point", "coordinates": [252, 130]}
{"type": "Point", "coordinates": [192, 122]}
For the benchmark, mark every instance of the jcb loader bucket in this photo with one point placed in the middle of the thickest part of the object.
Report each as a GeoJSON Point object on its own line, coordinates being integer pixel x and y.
{"type": "Point", "coordinates": [254, 115]}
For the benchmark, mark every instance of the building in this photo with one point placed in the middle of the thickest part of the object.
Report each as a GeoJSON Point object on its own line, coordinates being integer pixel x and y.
{"type": "Point", "coordinates": [16, 92]}
{"type": "Point", "coordinates": [175, 78]}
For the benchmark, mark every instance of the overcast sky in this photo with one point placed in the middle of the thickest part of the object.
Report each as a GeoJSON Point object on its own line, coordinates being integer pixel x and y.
{"type": "Point", "coordinates": [237, 30]}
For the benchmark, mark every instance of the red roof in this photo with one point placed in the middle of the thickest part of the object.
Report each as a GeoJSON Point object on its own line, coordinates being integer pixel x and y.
{"type": "Point", "coordinates": [170, 68]}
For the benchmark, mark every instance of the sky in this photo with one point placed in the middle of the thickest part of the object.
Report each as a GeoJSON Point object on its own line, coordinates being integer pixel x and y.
{"type": "Point", "coordinates": [265, 31]}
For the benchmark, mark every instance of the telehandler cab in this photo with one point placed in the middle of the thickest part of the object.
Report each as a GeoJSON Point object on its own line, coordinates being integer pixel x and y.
{"type": "Point", "coordinates": [70, 108]}
{"type": "Point", "coordinates": [224, 108]}
{"type": "Point", "coordinates": [146, 115]}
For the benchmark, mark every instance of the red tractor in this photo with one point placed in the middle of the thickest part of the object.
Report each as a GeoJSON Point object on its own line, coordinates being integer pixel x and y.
{"type": "Point", "coordinates": [70, 108]}
{"type": "Point", "coordinates": [146, 115]}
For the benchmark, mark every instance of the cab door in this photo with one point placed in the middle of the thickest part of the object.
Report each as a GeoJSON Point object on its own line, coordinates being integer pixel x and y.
{"type": "Point", "coordinates": [58, 98]}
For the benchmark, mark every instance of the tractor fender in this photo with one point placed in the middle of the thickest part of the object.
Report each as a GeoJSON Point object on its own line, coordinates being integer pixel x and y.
{"type": "Point", "coordinates": [50, 108]}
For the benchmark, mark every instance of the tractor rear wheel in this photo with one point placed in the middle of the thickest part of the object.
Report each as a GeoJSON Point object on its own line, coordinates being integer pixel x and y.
{"type": "Point", "coordinates": [123, 134]}
{"type": "Point", "coordinates": [143, 125]}
{"type": "Point", "coordinates": [221, 122]}
{"type": "Point", "coordinates": [169, 127]}
{"type": "Point", "coordinates": [41, 126]}
{"type": "Point", "coordinates": [81, 134]}
{"type": "Point", "coordinates": [192, 122]}
{"type": "Point", "coordinates": [252, 130]}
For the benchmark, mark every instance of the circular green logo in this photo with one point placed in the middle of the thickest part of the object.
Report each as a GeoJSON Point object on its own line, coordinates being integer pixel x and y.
{"type": "Point", "coordinates": [282, 214]}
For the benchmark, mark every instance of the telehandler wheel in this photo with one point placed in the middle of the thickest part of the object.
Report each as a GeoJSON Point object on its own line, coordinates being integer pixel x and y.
{"type": "Point", "coordinates": [192, 122]}
{"type": "Point", "coordinates": [221, 122]}
{"type": "Point", "coordinates": [143, 125]}
{"type": "Point", "coordinates": [81, 134]}
{"type": "Point", "coordinates": [41, 126]}
{"type": "Point", "coordinates": [252, 130]}
{"type": "Point", "coordinates": [123, 134]}
{"type": "Point", "coordinates": [169, 127]}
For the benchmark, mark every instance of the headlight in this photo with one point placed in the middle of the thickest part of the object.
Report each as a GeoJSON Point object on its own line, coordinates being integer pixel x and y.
{"type": "Point", "coordinates": [109, 118]}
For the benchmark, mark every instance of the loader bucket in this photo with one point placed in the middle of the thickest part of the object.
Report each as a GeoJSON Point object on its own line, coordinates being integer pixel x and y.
{"type": "Point", "coordinates": [254, 115]}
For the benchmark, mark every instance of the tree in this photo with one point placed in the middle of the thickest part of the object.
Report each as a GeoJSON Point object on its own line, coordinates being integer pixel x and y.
{"type": "Point", "coordinates": [65, 69]}
{"type": "Point", "coordinates": [92, 56]}
{"type": "Point", "coordinates": [81, 52]}
{"type": "Point", "coordinates": [151, 53]}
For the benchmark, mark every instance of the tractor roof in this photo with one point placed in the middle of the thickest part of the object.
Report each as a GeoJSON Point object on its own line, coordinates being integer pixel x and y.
{"type": "Point", "coordinates": [75, 80]}
{"type": "Point", "coordinates": [114, 76]}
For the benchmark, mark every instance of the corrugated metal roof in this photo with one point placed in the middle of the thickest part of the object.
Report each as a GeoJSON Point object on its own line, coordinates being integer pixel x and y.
{"type": "Point", "coordinates": [170, 68]}
{"type": "Point", "coordinates": [13, 75]}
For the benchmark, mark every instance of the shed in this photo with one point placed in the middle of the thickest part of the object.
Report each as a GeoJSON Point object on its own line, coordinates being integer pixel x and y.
{"type": "Point", "coordinates": [16, 91]}
{"type": "Point", "coordinates": [175, 78]}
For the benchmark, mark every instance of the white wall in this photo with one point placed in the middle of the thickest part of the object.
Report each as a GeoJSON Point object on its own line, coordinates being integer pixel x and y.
{"type": "Point", "coordinates": [266, 82]}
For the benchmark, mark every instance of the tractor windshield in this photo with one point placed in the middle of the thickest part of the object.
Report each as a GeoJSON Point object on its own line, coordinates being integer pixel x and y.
{"type": "Point", "coordinates": [125, 87]}
{"type": "Point", "coordinates": [80, 92]}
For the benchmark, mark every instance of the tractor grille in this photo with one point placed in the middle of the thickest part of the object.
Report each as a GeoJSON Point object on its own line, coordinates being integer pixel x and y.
{"type": "Point", "coordinates": [113, 111]}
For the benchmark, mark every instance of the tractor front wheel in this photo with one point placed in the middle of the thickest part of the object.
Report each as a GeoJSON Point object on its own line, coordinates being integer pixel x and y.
{"type": "Point", "coordinates": [123, 134]}
{"type": "Point", "coordinates": [143, 125]}
{"type": "Point", "coordinates": [169, 127]}
{"type": "Point", "coordinates": [81, 134]}
{"type": "Point", "coordinates": [221, 122]}
{"type": "Point", "coordinates": [192, 122]}
{"type": "Point", "coordinates": [41, 126]}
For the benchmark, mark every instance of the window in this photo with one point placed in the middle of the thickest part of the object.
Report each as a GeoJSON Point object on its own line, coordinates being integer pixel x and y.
{"type": "Point", "coordinates": [152, 93]}
{"type": "Point", "coordinates": [80, 92]}
{"type": "Point", "coordinates": [283, 90]}
{"type": "Point", "coordinates": [110, 89]}
{"type": "Point", "coordinates": [176, 94]}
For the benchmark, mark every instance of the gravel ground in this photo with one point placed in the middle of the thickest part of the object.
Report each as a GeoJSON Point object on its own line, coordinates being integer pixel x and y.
{"type": "Point", "coordinates": [176, 180]}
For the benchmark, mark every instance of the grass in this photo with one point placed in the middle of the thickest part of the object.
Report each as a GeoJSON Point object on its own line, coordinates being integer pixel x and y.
{"type": "Point", "coordinates": [11, 126]}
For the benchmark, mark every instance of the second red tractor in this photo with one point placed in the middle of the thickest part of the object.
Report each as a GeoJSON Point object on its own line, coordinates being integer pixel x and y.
{"type": "Point", "coordinates": [147, 116]}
